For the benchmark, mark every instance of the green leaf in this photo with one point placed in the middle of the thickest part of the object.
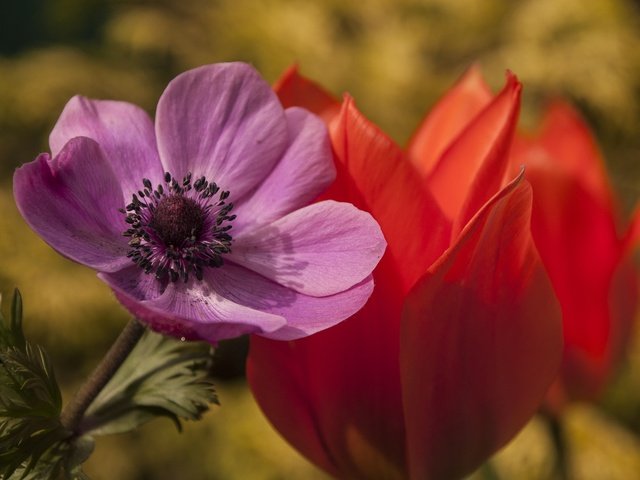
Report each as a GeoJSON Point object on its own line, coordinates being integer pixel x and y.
{"type": "Point", "coordinates": [16, 320]}
{"type": "Point", "coordinates": [32, 440]}
{"type": "Point", "coordinates": [161, 377]}
{"type": "Point", "coordinates": [80, 451]}
{"type": "Point", "coordinates": [11, 334]}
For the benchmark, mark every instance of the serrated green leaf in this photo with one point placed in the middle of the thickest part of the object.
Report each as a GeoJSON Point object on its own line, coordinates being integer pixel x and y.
{"type": "Point", "coordinates": [31, 437]}
{"type": "Point", "coordinates": [80, 451]}
{"type": "Point", "coordinates": [47, 466]}
{"type": "Point", "coordinates": [161, 377]}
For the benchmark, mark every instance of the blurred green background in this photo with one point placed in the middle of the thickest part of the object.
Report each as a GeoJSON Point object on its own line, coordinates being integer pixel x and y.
{"type": "Point", "coordinates": [396, 57]}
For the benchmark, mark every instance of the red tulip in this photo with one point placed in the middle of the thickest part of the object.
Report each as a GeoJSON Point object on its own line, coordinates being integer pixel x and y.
{"type": "Point", "coordinates": [461, 338]}
{"type": "Point", "coordinates": [575, 226]}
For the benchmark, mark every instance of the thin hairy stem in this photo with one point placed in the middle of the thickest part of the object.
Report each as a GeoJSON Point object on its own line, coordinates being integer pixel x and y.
{"type": "Point", "coordinates": [73, 412]}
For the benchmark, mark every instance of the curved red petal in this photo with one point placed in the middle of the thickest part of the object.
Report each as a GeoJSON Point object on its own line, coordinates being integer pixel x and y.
{"type": "Point", "coordinates": [481, 342]}
{"type": "Point", "coordinates": [632, 236]}
{"type": "Point", "coordinates": [276, 375]}
{"type": "Point", "coordinates": [623, 299]}
{"type": "Point", "coordinates": [336, 395]}
{"type": "Point", "coordinates": [577, 239]}
{"type": "Point", "coordinates": [473, 168]}
{"type": "Point", "coordinates": [565, 137]}
{"type": "Point", "coordinates": [447, 120]}
{"type": "Point", "coordinates": [575, 226]}
{"type": "Point", "coordinates": [374, 175]}
{"type": "Point", "coordinates": [295, 90]}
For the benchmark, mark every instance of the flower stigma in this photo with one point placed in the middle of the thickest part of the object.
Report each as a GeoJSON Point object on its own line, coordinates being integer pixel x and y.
{"type": "Point", "coordinates": [179, 229]}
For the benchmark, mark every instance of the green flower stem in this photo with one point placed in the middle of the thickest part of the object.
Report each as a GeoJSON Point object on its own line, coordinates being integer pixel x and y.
{"type": "Point", "coordinates": [489, 472]}
{"type": "Point", "coordinates": [73, 412]}
{"type": "Point", "coordinates": [559, 440]}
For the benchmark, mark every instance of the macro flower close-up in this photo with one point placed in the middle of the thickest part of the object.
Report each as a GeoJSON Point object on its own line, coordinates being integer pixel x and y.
{"type": "Point", "coordinates": [462, 336]}
{"type": "Point", "coordinates": [202, 224]}
{"type": "Point", "coordinates": [390, 240]}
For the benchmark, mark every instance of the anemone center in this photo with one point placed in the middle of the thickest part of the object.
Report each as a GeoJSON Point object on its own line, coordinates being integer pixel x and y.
{"type": "Point", "coordinates": [178, 229]}
{"type": "Point", "coordinates": [177, 219]}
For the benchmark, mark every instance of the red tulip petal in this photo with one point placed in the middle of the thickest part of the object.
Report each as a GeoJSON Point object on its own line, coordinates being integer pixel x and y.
{"type": "Point", "coordinates": [577, 240]}
{"type": "Point", "coordinates": [374, 175]}
{"type": "Point", "coordinates": [575, 228]}
{"type": "Point", "coordinates": [352, 422]}
{"type": "Point", "coordinates": [448, 119]}
{"type": "Point", "coordinates": [473, 168]}
{"type": "Point", "coordinates": [276, 374]}
{"type": "Point", "coordinates": [632, 236]}
{"type": "Point", "coordinates": [481, 342]}
{"type": "Point", "coordinates": [294, 90]}
{"type": "Point", "coordinates": [623, 299]}
{"type": "Point", "coordinates": [385, 184]}
{"type": "Point", "coordinates": [336, 395]}
{"type": "Point", "coordinates": [566, 138]}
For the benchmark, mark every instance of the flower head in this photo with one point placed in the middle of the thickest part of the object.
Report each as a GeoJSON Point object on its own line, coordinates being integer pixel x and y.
{"type": "Point", "coordinates": [201, 224]}
{"type": "Point", "coordinates": [577, 228]}
{"type": "Point", "coordinates": [462, 337]}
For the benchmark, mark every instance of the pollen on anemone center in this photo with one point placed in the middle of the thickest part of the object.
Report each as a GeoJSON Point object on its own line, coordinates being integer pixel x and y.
{"type": "Point", "coordinates": [179, 229]}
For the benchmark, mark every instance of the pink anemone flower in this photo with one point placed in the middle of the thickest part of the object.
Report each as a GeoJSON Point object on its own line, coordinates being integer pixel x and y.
{"type": "Point", "coordinates": [202, 225]}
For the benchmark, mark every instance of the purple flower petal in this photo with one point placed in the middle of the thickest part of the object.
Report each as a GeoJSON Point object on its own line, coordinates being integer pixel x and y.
{"type": "Point", "coordinates": [194, 310]}
{"type": "Point", "coordinates": [224, 122]}
{"type": "Point", "coordinates": [138, 284]}
{"type": "Point", "coordinates": [124, 131]}
{"type": "Point", "coordinates": [319, 250]}
{"type": "Point", "coordinates": [304, 314]}
{"type": "Point", "coordinates": [236, 159]}
{"type": "Point", "coordinates": [304, 172]}
{"type": "Point", "coordinates": [72, 202]}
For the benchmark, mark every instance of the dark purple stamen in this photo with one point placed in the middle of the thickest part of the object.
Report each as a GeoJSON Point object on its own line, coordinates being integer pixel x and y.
{"type": "Point", "coordinates": [179, 229]}
{"type": "Point", "coordinates": [177, 219]}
